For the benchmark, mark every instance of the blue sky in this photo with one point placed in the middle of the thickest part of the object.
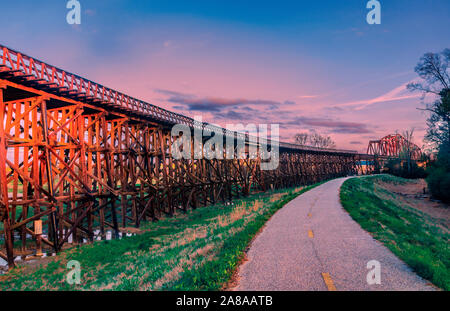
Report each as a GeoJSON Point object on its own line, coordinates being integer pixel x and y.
{"type": "Point", "coordinates": [308, 65]}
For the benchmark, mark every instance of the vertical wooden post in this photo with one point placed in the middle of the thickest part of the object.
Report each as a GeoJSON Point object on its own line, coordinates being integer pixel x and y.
{"type": "Point", "coordinates": [83, 165]}
{"type": "Point", "coordinates": [126, 159]}
{"type": "Point", "coordinates": [162, 140]}
{"type": "Point", "coordinates": [4, 186]}
{"type": "Point", "coordinates": [107, 147]}
{"type": "Point", "coordinates": [35, 133]}
{"type": "Point", "coordinates": [98, 159]}
{"type": "Point", "coordinates": [53, 218]}
{"type": "Point", "coordinates": [90, 170]}
{"type": "Point", "coordinates": [26, 129]}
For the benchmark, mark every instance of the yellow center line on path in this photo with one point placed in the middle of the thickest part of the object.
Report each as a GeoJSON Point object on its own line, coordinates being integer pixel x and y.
{"type": "Point", "coordinates": [310, 234]}
{"type": "Point", "coordinates": [328, 281]}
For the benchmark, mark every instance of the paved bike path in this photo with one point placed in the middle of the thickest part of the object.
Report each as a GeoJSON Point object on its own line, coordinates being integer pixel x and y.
{"type": "Point", "coordinates": [313, 244]}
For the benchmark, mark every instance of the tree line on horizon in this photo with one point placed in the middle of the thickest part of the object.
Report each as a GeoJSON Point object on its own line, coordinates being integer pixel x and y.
{"type": "Point", "coordinates": [314, 140]}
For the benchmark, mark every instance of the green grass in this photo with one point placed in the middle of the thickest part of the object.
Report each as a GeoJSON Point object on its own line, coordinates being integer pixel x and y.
{"type": "Point", "coordinates": [413, 236]}
{"type": "Point", "coordinates": [198, 250]}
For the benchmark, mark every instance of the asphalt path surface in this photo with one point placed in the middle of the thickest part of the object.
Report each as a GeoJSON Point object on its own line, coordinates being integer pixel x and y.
{"type": "Point", "coordinates": [313, 244]}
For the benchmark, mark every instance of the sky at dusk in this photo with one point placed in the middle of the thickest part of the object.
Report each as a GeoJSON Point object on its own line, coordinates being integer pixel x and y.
{"type": "Point", "coordinates": [307, 65]}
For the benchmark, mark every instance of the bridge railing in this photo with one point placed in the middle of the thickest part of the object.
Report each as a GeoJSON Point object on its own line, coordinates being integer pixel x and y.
{"type": "Point", "coordinates": [48, 75]}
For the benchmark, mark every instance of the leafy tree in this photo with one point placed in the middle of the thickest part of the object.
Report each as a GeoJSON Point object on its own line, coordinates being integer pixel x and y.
{"type": "Point", "coordinates": [433, 69]}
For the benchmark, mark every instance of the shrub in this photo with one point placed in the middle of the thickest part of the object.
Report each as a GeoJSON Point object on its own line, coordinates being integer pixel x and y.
{"type": "Point", "coordinates": [438, 179]}
{"type": "Point", "coordinates": [400, 168]}
{"type": "Point", "coordinates": [438, 182]}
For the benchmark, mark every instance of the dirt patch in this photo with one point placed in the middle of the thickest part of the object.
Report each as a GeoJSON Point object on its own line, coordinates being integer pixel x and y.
{"type": "Point", "coordinates": [416, 195]}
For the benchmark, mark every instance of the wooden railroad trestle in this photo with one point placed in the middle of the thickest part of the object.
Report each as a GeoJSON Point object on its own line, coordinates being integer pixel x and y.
{"type": "Point", "coordinates": [81, 167]}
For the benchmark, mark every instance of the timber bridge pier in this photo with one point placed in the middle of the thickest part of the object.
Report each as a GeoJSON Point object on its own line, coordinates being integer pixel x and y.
{"type": "Point", "coordinates": [78, 159]}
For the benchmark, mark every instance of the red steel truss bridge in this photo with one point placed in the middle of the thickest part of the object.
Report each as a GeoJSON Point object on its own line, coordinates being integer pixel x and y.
{"type": "Point", "coordinates": [394, 146]}
{"type": "Point", "coordinates": [79, 160]}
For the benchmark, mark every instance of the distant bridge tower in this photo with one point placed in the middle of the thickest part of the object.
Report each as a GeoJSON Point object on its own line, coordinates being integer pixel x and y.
{"type": "Point", "coordinates": [394, 146]}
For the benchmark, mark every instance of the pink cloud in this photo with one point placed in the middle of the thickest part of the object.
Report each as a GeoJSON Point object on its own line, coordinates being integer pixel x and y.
{"type": "Point", "coordinates": [398, 93]}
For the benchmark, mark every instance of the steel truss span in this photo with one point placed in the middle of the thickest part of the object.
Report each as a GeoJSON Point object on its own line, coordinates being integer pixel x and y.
{"type": "Point", "coordinates": [394, 146]}
{"type": "Point", "coordinates": [78, 160]}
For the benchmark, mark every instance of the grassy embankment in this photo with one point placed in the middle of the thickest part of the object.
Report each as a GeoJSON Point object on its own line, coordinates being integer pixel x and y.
{"type": "Point", "coordinates": [198, 250]}
{"type": "Point", "coordinates": [420, 240]}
